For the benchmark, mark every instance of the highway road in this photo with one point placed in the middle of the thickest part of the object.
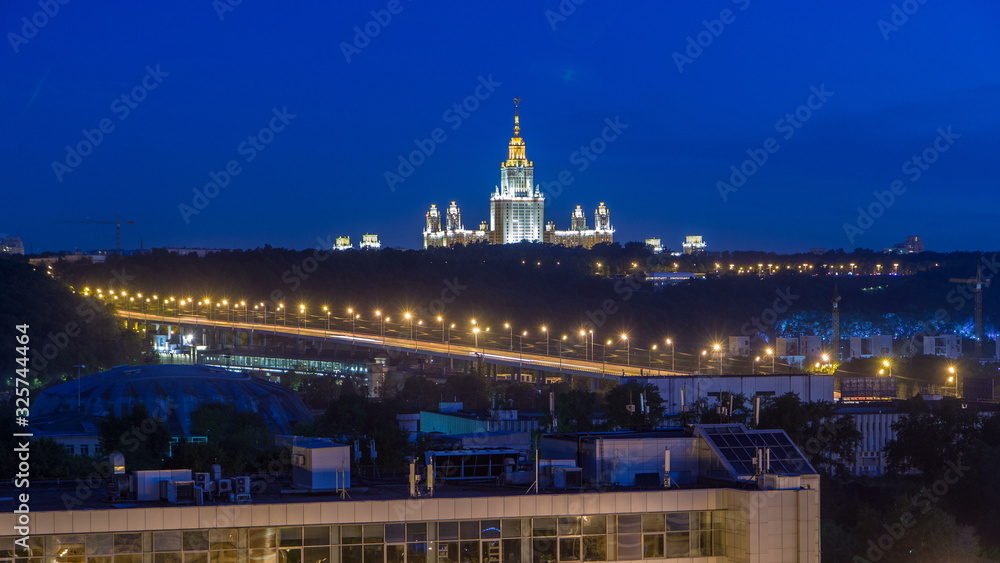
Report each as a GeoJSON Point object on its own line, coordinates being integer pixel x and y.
{"type": "Point", "coordinates": [527, 360]}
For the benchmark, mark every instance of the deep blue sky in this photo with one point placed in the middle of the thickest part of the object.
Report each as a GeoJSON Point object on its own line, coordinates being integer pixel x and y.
{"type": "Point", "coordinates": [323, 175]}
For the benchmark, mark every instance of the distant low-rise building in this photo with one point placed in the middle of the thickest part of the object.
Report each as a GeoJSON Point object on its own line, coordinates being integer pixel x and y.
{"type": "Point", "coordinates": [912, 245]}
{"type": "Point", "coordinates": [877, 346]}
{"type": "Point", "coordinates": [947, 345]}
{"type": "Point", "coordinates": [370, 242]}
{"type": "Point", "coordinates": [11, 245]}
{"type": "Point", "coordinates": [694, 244]}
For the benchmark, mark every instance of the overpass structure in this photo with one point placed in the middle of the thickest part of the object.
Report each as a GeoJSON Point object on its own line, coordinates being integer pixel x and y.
{"type": "Point", "coordinates": [563, 364]}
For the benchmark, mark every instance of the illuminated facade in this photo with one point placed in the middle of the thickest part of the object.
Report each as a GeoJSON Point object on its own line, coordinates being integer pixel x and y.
{"type": "Point", "coordinates": [517, 210]}
{"type": "Point", "coordinates": [578, 233]}
{"type": "Point", "coordinates": [693, 244]}
{"type": "Point", "coordinates": [370, 241]}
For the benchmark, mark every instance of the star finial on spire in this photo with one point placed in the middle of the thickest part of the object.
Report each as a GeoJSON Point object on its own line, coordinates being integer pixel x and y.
{"type": "Point", "coordinates": [517, 119]}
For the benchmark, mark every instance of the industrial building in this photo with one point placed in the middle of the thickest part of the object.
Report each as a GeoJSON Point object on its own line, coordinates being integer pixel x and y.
{"type": "Point", "coordinates": [712, 493]}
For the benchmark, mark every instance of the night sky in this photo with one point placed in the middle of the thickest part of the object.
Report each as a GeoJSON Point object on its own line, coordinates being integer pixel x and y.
{"type": "Point", "coordinates": [697, 88]}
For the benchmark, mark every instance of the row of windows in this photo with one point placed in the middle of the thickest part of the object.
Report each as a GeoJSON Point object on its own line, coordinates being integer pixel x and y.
{"type": "Point", "coordinates": [81, 449]}
{"type": "Point", "coordinates": [563, 538]}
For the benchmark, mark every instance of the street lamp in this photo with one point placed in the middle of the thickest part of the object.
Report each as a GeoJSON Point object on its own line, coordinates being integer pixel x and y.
{"type": "Point", "coordinates": [409, 317]}
{"type": "Point", "coordinates": [382, 323]}
{"type": "Point", "coordinates": [284, 318]}
{"type": "Point", "coordinates": [673, 366]}
{"type": "Point", "coordinates": [545, 332]}
{"type": "Point", "coordinates": [718, 352]}
{"type": "Point", "coordinates": [651, 349]}
{"type": "Point", "coordinates": [755, 362]}
{"type": "Point", "coordinates": [302, 314]}
{"type": "Point", "coordinates": [511, 329]}
{"type": "Point", "coordinates": [770, 352]}
{"type": "Point", "coordinates": [604, 354]}
{"type": "Point", "coordinates": [888, 366]}
{"type": "Point", "coordinates": [326, 309]}
{"type": "Point", "coordinates": [628, 349]}
{"type": "Point", "coordinates": [475, 333]}
{"type": "Point", "coordinates": [703, 354]}
{"type": "Point", "coordinates": [953, 378]}
{"type": "Point", "coordinates": [561, 352]}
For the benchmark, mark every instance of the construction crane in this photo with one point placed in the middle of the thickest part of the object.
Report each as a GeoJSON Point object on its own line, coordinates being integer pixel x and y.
{"type": "Point", "coordinates": [977, 289]}
{"type": "Point", "coordinates": [118, 228]}
{"type": "Point", "coordinates": [836, 325]}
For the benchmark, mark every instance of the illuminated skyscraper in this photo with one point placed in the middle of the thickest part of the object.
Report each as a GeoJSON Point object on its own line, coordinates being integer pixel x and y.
{"type": "Point", "coordinates": [517, 211]}
{"type": "Point", "coordinates": [517, 207]}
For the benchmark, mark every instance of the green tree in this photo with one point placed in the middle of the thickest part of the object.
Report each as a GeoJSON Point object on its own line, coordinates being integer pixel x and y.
{"type": "Point", "coordinates": [625, 406]}
{"type": "Point", "coordinates": [472, 390]}
{"type": "Point", "coordinates": [142, 438]}
{"type": "Point", "coordinates": [822, 436]}
{"type": "Point", "coordinates": [929, 438]}
{"type": "Point", "coordinates": [574, 411]}
{"type": "Point", "coordinates": [742, 409]}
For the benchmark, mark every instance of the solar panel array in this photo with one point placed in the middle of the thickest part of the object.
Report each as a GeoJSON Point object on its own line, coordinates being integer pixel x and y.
{"type": "Point", "coordinates": [739, 446]}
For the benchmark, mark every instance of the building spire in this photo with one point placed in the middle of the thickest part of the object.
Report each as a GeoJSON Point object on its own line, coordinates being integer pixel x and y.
{"type": "Point", "coordinates": [517, 118]}
{"type": "Point", "coordinates": [515, 150]}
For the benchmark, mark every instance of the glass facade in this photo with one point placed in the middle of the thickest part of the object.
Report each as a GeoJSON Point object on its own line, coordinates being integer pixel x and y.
{"type": "Point", "coordinates": [540, 539]}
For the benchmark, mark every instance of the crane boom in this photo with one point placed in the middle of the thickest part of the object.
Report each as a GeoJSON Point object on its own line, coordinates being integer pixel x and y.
{"type": "Point", "coordinates": [118, 228]}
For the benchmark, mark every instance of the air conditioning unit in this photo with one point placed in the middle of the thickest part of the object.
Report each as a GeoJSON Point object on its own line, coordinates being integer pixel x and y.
{"type": "Point", "coordinates": [241, 485]}
{"type": "Point", "coordinates": [225, 486]}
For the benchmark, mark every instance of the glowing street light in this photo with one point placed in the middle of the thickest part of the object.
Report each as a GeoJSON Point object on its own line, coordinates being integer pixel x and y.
{"type": "Point", "coordinates": [702, 355]}
{"type": "Point", "coordinates": [628, 349]}
{"type": "Point", "coordinates": [953, 378]}
{"type": "Point", "coordinates": [545, 331]}
{"type": "Point", "coordinates": [888, 366]}
{"type": "Point", "coordinates": [673, 366]}
{"type": "Point", "coordinates": [511, 329]}
{"type": "Point", "coordinates": [770, 352]}
{"type": "Point", "coordinates": [382, 321]}
{"type": "Point", "coordinates": [413, 337]}
{"type": "Point", "coordinates": [651, 349]}
{"type": "Point", "coordinates": [718, 352]}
